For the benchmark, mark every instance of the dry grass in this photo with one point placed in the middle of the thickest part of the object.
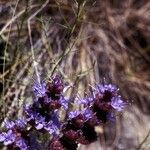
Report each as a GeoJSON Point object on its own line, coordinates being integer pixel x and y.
{"type": "Point", "coordinates": [85, 42]}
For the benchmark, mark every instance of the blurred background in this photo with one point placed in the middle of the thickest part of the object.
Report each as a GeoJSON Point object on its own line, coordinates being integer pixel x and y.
{"type": "Point", "coordinates": [86, 42]}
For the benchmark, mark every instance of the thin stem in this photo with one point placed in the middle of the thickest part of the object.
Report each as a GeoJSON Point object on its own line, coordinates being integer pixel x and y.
{"type": "Point", "coordinates": [31, 42]}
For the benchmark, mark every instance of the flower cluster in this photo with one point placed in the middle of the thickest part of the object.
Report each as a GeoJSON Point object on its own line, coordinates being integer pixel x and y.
{"type": "Point", "coordinates": [78, 126]}
{"type": "Point", "coordinates": [15, 135]}
{"type": "Point", "coordinates": [98, 108]}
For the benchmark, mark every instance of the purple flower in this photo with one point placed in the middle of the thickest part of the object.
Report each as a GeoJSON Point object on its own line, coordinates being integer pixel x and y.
{"type": "Point", "coordinates": [74, 114]}
{"type": "Point", "coordinates": [2, 136]}
{"type": "Point", "coordinates": [86, 101]}
{"type": "Point", "coordinates": [46, 100]}
{"type": "Point", "coordinates": [21, 143]}
{"type": "Point", "coordinates": [104, 92]}
{"type": "Point", "coordinates": [55, 119]}
{"type": "Point", "coordinates": [64, 102]}
{"type": "Point", "coordinates": [7, 137]}
{"type": "Point", "coordinates": [77, 127]}
{"type": "Point", "coordinates": [55, 87]}
{"type": "Point", "coordinates": [20, 123]}
{"type": "Point", "coordinates": [30, 113]}
{"type": "Point", "coordinates": [78, 118]}
{"type": "Point", "coordinates": [87, 113]}
{"type": "Point", "coordinates": [39, 89]}
{"type": "Point", "coordinates": [56, 80]}
{"type": "Point", "coordinates": [13, 135]}
{"type": "Point", "coordinates": [107, 87]}
{"type": "Point", "coordinates": [51, 128]}
{"type": "Point", "coordinates": [9, 124]}
{"type": "Point", "coordinates": [39, 122]}
{"type": "Point", "coordinates": [117, 103]}
{"type": "Point", "coordinates": [108, 94]}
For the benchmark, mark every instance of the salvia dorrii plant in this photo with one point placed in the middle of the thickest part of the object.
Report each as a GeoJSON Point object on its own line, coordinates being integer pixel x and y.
{"type": "Point", "coordinates": [78, 125]}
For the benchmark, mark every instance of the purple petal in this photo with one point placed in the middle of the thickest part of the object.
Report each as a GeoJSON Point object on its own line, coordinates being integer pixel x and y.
{"type": "Point", "coordinates": [51, 128]}
{"type": "Point", "coordinates": [88, 113]}
{"type": "Point", "coordinates": [9, 138]}
{"type": "Point", "coordinates": [55, 119]}
{"type": "Point", "coordinates": [47, 100]}
{"type": "Point", "coordinates": [39, 122]}
{"type": "Point", "coordinates": [39, 89]}
{"type": "Point", "coordinates": [73, 114]}
{"type": "Point", "coordinates": [21, 144]}
{"type": "Point", "coordinates": [9, 124]}
{"type": "Point", "coordinates": [30, 114]}
{"type": "Point", "coordinates": [64, 102]}
{"type": "Point", "coordinates": [118, 104]}
{"type": "Point", "coordinates": [107, 87]}
{"type": "Point", "coordinates": [2, 136]}
{"type": "Point", "coordinates": [39, 126]}
{"type": "Point", "coordinates": [85, 101]}
{"type": "Point", "coordinates": [21, 123]}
